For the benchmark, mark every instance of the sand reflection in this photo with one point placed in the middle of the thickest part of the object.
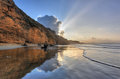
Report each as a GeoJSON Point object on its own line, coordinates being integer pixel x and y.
{"type": "Point", "coordinates": [15, 63]}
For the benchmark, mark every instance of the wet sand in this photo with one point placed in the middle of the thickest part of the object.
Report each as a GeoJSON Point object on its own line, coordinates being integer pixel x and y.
{"type": "Point", "coordinates": [71, 64]}
{"type": "Point", "coordinates": [15, 63]}
{"type": "Point", "coordinates": [5, 46]}
{"type": "Point", "coordinates": [62, 62]}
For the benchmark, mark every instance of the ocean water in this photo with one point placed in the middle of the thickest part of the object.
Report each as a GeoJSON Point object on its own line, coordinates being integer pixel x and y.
{"type": "Point", "coordinates": [81, 61]}
{"type": "Point", "coordinates": [105, 53]}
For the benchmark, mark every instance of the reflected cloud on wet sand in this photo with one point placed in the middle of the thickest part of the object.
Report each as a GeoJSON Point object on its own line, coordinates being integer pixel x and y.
{"type": "Point", "coordinates": [15, 63]}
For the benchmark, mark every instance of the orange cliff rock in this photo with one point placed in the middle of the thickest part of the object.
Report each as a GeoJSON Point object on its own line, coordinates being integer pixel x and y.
{"type": "Point", "coordinates": [17, 27]}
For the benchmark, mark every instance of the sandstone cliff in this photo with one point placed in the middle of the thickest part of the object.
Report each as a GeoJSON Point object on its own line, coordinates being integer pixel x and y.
{"type": "Point", "coordinates": [17, 27]}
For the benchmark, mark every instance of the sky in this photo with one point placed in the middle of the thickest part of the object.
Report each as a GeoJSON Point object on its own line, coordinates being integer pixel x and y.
{"type": "Point", "coordinates": [82, 20]}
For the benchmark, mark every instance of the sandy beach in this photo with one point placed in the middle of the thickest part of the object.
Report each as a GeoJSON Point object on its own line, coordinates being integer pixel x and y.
{"type": "Point", "coordinates": [70, 63]}
{"type": "Point", "coordinates": [5, 46]}
{"type": "Point", "coordinates": [61, 62]}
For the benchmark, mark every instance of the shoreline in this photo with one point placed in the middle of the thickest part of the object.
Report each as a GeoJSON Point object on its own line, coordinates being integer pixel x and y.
{"type": "Point", "coordinates": [5, 46]}
{"type": "Point", "coordinates": [97, 61]}
{"type": "Point", "coordinates": [9, 46]}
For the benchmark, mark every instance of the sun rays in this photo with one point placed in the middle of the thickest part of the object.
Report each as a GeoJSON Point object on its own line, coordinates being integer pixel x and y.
{"type": "Point", "coordinates": [73, 17]}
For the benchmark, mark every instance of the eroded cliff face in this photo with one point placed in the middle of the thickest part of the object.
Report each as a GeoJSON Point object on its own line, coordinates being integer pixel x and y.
{"type": "Point", "coordinates": [17, 27]}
